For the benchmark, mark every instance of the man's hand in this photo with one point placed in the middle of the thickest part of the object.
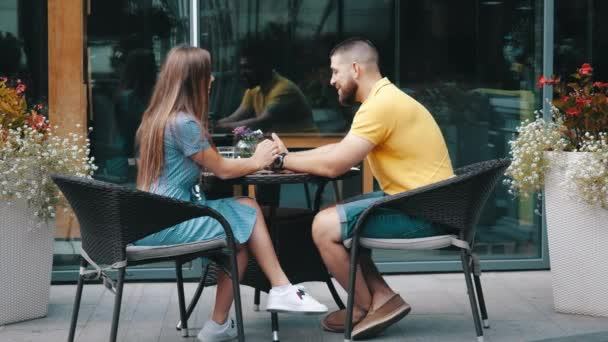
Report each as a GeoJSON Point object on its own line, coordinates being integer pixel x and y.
{"type": "Point", "coordinates": [280, 144]}
{"type": "Point", "coordinates": [265, 154]}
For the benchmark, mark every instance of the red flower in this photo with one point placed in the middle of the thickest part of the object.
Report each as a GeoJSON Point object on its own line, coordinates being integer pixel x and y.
{"type": "Point", "coordinates": [582, 101]}
{"type": "Point", "coordinates": [585, 69]}
{"type": "Point", "coordinates": [20, 88]}
{"type": "Point", "coordinates": [36, 121]}
{"type": "Point", "coordinates": [600, 84]}
{"type": "Point", "coordinates": [3, 79]}
{"type": "Point", "coordinates": [573, 111]}
{"type": "Point", "coordinates": [542, 81]}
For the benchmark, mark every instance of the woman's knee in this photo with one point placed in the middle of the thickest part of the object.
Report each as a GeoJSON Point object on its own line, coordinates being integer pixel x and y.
{"type": "Point", "coordinates": [248, 201]}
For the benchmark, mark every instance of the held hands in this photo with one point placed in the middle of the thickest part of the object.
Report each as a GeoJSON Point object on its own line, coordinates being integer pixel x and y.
{"type": "Point", "coordinates": [265, 153]}
{"type": "Point", "coordinates": [280, 144]}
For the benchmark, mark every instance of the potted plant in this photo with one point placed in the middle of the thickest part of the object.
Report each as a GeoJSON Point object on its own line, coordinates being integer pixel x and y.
{"type": "Point", "coordinates": [567, 157]}
{"type": "Point", "coordinates": [29, 153]}
{"type": "Point", "coordinates": [247, 141]}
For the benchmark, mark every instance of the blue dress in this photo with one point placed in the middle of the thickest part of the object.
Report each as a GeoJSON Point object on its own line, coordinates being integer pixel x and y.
{"type": "Point", "coordinates": [183, 138]}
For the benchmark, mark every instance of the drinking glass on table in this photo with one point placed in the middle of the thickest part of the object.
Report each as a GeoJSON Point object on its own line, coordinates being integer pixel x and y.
{"type": "Point", "coordinates": [226, 151]}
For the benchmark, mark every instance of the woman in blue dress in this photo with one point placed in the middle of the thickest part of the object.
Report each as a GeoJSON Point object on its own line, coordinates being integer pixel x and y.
{"type": "Point", "coordinates": [173, 148]}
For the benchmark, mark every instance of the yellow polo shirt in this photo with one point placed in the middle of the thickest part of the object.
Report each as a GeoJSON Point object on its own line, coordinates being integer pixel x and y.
{"type": "Point", "coordinates": [294, 113]}
{"type": "Point", "coordinates": [409, 151]}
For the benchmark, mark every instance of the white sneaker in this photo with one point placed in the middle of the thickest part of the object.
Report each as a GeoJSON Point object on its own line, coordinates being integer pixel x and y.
{"type": "Point", "coordinates": [295, 300]}
{"type": "Point", "coordinates": [212, 332]}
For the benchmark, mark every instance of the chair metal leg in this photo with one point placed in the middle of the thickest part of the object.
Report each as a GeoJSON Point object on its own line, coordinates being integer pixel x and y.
{"type": "Point", "coordinates": [482, 302]}
{"type": "Point", "coordinates": [334, 293]}
{"type": "Point", "coordinates": [274, 317]}
{"type": "Point", "coordinates": [256, 300]}
{"type": "Point", "coordinates": [76, 309]}
{"type": "Point", "coordinates": [181, 298]}
{"type": "Point", "coordinates": [350, 302]}
{"type": "Point", "coordinates": [307, 195]}
{"type": "Point", "coordinates": [236, 291]}
{"type": "Point", "coordinates": [337, 190]}
{"type": "Point", "coordinates": [117, 302]}
{"type": "Point", "coordinates": [197, 295]}
{"type": "Point", "coordinates": [318, 195]}
{"type": "Point", "coordinates": [465, 258]}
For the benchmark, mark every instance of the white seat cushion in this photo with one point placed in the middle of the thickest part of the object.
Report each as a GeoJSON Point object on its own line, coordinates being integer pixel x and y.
{"type": "Point", "coordinates": [432, 242]}
{"type": "Point", "coordinates": [136, 253]}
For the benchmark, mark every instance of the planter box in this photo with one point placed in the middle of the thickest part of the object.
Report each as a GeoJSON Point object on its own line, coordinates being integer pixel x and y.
{"type": "Point", "coordinates": [26, 260]}
{"type": "Point", "coordinates": [578, 244]}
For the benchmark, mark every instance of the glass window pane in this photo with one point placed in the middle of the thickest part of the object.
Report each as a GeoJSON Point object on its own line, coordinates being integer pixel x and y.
{"type": "Point", "coordinates": [474, 65]}
{"type": "Point", "coordinates": [294, 39]}
{"type": "Point", "coordinates": [580, 37]}
{"type": "Point", "coordinates": [127, 41]}
{"type": "Point", "coordinates": [23, 46]}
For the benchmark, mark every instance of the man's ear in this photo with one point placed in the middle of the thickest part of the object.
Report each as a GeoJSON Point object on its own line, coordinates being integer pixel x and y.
{"type": "Point", "coordinates": [356, 70]}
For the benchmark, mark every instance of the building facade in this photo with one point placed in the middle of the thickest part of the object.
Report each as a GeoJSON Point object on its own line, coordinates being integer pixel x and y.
{"type": "Point", "coordinates": [473, 63]}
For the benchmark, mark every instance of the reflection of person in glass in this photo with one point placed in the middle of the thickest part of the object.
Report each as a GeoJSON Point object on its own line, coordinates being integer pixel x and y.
{"type": "Point", "coordinates": [118, 127]}
{"type": "Point", "coordinates": [271, 102]}
{"type": "Point", "coordinates": [174, 146]}
{"type": "Point", "coordinates": [138, 78]}
{"type": "Point", "coordinates": [10, 61]}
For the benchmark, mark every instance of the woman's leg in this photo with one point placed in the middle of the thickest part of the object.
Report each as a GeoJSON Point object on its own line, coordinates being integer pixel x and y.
{"type": "Point", "coordinates": [224, 294]}
{"type": "Point", "coordinates": [261, 247]}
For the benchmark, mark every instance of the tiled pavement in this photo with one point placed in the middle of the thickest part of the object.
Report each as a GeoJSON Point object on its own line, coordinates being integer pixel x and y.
{"type": "Point", "coordinates": [519, 306]}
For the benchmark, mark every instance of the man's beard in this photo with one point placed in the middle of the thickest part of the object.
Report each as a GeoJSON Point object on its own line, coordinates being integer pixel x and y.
{"type": "Point", "coordinates": [348, 94]}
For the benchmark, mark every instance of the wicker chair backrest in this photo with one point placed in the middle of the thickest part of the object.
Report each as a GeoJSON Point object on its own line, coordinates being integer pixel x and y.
{"type": "Point", "coordinates": [455, 202]}
{"type": "Point", "coordinates": [113, 216]}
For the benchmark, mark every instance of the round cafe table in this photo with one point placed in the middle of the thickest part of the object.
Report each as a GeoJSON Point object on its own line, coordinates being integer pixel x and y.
{"type": "Point", "coordinates": [290, 231]}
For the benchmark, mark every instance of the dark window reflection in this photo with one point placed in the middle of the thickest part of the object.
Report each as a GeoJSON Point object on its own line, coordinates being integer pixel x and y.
{"type": "Point", "coordinates": [297, 37]}
{"type": "Point", "coordinates": [581, 37]}
{"type": "Point", "coordinates": [23, 45]}
{"type": "Point", "coordinates": [474, 64]}
{"type": "Point", "coordinates": [127, 41]}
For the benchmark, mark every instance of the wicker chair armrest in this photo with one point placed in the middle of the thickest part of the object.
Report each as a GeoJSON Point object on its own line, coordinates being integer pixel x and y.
{"type": "Point", "coordinates": [446, 202]}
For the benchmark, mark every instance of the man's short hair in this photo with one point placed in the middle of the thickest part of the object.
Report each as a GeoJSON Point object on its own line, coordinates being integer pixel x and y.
{"type": "Point", "coordinates": [364, 49]}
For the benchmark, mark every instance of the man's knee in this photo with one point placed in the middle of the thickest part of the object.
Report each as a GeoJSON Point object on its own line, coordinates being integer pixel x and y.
{"type": "Point", "coordinates": [326, 226]}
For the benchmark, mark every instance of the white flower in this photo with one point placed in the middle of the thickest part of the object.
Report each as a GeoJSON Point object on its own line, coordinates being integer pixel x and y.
{"type": "Point", "coordinates": [33, 156]}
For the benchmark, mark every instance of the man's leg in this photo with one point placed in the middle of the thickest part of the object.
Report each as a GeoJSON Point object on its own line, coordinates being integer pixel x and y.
{"type": "Point", "coordinates": [371, 291]}
{"type": "Point", "coordinates": [326, 235]}
{"type": "Point", "coordinates": [378, 287]}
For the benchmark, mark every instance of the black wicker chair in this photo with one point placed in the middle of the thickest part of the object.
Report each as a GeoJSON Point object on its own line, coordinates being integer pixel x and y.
{"type": "Point", "coordinates": [112, 217]}
{"type": "Point", "coordinates": [455, 203]}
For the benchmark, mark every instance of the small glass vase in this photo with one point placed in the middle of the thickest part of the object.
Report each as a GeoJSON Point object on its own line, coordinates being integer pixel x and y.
{"type": "Point", "coordinates": [245, 148]}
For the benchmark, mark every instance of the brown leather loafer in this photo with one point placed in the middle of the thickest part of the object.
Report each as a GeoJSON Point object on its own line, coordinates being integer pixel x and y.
{"type": "Point", "coordinates": [377, 320]}
{"type": "Point", "coordinates": [334, 322]}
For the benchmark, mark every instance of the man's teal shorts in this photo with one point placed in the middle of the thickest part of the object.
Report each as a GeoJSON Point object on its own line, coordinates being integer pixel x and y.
{"type": "Point", "coordinates": [383, 223]}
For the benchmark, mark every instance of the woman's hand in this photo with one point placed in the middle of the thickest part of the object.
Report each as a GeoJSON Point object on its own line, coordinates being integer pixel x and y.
{"type": "Point", "coordinates": [280, 144]}
{"type": "Point", "coordinates": [265, 153]}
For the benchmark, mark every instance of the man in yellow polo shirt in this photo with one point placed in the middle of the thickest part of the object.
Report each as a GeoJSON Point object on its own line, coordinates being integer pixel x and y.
{"type": "Point", "coordinates": [271, 102]}
{"type": "Point", "coordinates": [405, 150]}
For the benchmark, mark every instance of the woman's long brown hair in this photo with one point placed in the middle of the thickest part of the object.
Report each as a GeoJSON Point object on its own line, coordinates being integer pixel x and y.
{"type": "Point", "coordinates": [182, 86]}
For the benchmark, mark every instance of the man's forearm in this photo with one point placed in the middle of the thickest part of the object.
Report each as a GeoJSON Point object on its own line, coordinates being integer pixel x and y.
{"type": "Point", "coordinates": [315, 151]}
{"type": "Point", "coordinates": [314, 162]}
